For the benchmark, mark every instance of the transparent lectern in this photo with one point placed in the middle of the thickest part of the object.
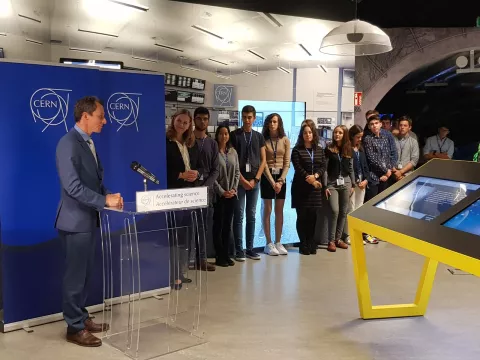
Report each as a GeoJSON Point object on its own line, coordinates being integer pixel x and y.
{"type": "Point", "coordinates": [146, 254]}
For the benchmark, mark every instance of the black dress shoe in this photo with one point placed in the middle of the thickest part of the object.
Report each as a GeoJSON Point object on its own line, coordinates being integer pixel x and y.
{"type": "Point", "coordinates": [230, 262]}
{"type": "Point", "coordinates": [304, 251]}
{"type": "Point", "coordinates": [221, 263]}
{"type": "Point", "coordinates": [185, 280]}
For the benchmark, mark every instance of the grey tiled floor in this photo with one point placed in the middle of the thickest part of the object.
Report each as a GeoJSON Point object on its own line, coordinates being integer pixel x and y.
{"type": "Point", "coordinates": [305, 308]}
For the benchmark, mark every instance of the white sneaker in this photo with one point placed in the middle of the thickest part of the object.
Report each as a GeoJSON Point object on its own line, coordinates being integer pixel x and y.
{"type": "Point", "coordinates": [271, 250]}
{"type": "Point", "coordinates": [281, 249]}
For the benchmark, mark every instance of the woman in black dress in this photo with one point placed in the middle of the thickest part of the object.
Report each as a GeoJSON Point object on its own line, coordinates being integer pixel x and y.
{"type": "Point", "coordinates": [182, 157]}
{"type": "Point", "coordinates": [308, 160]}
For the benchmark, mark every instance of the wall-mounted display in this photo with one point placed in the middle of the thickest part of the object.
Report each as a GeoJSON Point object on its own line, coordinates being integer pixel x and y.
{"type": "Point", "coordinates": [170, 95]}
{"type": "Point", "coordinates": [184, 82]}
{"type": "Point", "coordinates": [198, 98]}
{"type": "Point", "coordinates": [184, 96]}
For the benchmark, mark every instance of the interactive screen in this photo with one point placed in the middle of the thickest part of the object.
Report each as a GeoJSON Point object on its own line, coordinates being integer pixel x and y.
{"type": "Point", "coordinates": [468, 220]}
{"type": "Point", "coordinates": [425, 198]}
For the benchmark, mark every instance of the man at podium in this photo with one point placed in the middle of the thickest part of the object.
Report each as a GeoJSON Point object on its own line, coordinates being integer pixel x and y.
{"type": "Point", "coordinates": [83, 195]}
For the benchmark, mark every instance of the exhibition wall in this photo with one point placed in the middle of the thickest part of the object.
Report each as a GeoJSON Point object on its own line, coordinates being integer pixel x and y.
{"type": "Point", "coordinates": [37, 112]}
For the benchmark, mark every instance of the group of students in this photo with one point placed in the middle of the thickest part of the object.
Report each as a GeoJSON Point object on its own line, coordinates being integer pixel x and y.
{"type": "Point", "coordinates": [356, 166]}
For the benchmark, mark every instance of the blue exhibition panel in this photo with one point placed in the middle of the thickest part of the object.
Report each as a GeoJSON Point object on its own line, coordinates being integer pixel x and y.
{"type": "Point", "coordinates": [37, 105]}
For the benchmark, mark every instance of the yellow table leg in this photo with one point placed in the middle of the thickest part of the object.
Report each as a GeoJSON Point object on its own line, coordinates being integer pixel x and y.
{"type": "Point", "coordinates": [367, 311]}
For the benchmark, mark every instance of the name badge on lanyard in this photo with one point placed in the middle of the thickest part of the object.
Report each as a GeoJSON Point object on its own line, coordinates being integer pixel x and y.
{"type": "Point", "coordinates": [340, 180]}
{"type": "Point", "coordinates": [275, 170]}
{"type": "Point", "coordinates": [248, 167]}
{"type": "Point", "coordinates": [312, 157]}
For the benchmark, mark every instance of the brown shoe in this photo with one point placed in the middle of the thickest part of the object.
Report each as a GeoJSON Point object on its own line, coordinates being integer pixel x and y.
{"type": "Point", "coordinates": [95, 328]}
{"type": "Point", "coordinates": [331, 247]}
{"type": "Point", "coordinates": [84, 338]}
{"type": "Point", "coordinates": [340, 244]}
{"type": "Point", "coordinates": [205, 266]}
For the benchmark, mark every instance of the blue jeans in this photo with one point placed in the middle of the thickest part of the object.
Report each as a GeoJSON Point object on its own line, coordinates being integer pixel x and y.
{"type": "Point", "coordinates": [250, 197]}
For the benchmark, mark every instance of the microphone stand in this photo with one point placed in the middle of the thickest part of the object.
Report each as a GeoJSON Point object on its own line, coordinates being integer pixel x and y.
{"type": "Point", "coordinates": [145, 184]}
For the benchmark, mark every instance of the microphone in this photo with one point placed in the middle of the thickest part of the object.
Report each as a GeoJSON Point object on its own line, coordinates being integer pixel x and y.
{"type": "Point", "coordinates": [135, 166]}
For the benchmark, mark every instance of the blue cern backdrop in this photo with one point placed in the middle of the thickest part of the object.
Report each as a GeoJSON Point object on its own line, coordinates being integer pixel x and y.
{"type": "Point", "coordinates": [291, 113]}
{"type": "Point", "coordinates": [37, 109]}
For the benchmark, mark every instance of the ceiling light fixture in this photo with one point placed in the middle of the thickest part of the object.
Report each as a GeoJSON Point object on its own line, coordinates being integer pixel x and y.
{"type": "Point", "coordinates": [256, 54]}
{"type": "Point", "coordinates": [144, 59]}
{"type": "Point", "coordinates": [218, 62]}
{"type": "Point", "coordinates": [250, 72]}
{"type": "Point", "coordinates": [305, 49]}
{"type": "Point", "coordinates": [323, 68]}
{"type": "Point", "coordinates": [98, 33]}
{"type": "Point", "coordinates": [30, 18]}
{"type": "Point", "coordinates": [131, 5]}
{"type": "Point", "coordinates": [356, 38]}
{"type": "Point", "coordinates": [168, 47]}
{"type": "Point", "coordinates": [221, 76]}
{"type": "Point", "coordinates": [205, 31]}
{"type": "Point", "coordinates": [271, 19]}
{"type": "Point", "coordinates": [186, 67]}
{"type": "Point", "coordinates": [86, 50]}
{"type": "Point", "coordinates": [285, 70]}
{"type": "Point", "coordinates": [34, 41]}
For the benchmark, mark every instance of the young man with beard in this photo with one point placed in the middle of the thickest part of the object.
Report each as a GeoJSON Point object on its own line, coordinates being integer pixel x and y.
{"type": "Point", "coordinates": [208, 173]}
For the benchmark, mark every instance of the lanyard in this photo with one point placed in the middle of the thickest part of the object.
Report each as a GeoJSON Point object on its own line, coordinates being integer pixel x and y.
{"type": "Point", "coordinates": [312, 156]}
{"type": "Point", "coordinates": [438, 142]}
{"type": "Point", "coordinates": [249, 142]}
{"type": "Point", "coordinates": [404, 141]}
{"type": "Point", "coordinates": [226, 159]}
{"type": "Point", "coordinates": [274, 149]}
{"type": "Point", "coordinates": [203, 143]}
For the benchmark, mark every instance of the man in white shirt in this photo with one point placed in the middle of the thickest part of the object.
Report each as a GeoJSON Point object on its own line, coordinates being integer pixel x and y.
{"type": "Point", "coordinates": [439, 146]}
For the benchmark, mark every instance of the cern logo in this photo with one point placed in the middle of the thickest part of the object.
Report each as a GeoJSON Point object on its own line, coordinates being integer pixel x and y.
{"type": "Point", "coordinates": [124, 109]}
{"type": "Point", "coordinates": [50, 106]}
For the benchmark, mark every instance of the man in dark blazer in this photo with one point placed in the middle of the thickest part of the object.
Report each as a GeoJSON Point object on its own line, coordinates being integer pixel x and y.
{"type": "Point", "coordinates": [83, 195]}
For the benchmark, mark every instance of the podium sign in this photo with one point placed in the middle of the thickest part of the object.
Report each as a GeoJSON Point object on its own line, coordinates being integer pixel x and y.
{"type": "Point", "coordinates": [172, 199]}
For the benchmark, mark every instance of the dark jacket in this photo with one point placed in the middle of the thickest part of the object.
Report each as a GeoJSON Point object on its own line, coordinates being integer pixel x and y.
{"type": "Point", "coordinates": [364, 165]}
{"type": "Point", "coordinates": [336, 167]}
{"type": "Point", "coordinates": [175, 165]}
{"type": "Point", "coordinates": [304, 194]}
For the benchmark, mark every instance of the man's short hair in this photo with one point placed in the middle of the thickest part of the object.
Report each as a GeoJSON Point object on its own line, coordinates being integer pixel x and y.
{"type": "Point", "coordinates": [86, 104]}
{"type": "Point", "coordinates": [373, 117]}
{"type": "Point", "coordinates": [201, 111]}
{"type": "Point", "coordinates": [386, 117]}
{"type": "Point", "coordinates": [405, 118]}
{"type": "Point", "coordinates": [249, 109]}
{"type": "Point", "coordinates": [371, 113]}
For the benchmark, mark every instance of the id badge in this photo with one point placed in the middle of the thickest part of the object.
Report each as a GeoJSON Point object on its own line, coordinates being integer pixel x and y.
{"type": "Point", "coordinates": [400, 167]}
{"type": "Point", "coordinates": [275, 171]}
{"type": "Point", "coordinates": [340, 181]}
{"type": "Point", "coordinates": [248, 168]}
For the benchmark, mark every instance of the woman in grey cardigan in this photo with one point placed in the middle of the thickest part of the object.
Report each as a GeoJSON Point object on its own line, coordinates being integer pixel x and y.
{"type": "Point", "coordinates": [225, 194]}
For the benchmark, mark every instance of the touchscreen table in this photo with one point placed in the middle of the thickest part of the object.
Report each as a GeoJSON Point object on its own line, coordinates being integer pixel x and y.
{"type": "Point", "coordinates": [425, 198]}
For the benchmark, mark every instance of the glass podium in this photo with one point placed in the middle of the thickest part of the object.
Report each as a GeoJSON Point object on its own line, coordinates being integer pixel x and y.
{"type": "Point", "coordinates": [146, 255]}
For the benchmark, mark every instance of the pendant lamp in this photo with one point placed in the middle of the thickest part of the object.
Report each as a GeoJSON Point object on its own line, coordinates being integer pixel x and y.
{"type": "Point", "coordinates": [356, 38]}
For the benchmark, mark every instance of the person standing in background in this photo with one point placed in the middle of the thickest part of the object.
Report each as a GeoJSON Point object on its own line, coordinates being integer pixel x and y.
{"type": "Point", "coordinates": [407, 148]}
{"type": "Point", "coordinates": [439, 146]}
{"type": "Point", "coordinates": [308, 160]}
{"type": "Point", "coordinates": [362, 175]}
{"type": "Point", "coordinates": [339, 184]}
{"type": "Point", "coordinates": [250, 147]}
{"type": "Point", "coordinates": [83, 196]}
{"type": "Point", "coordinates": [226, 187]}
{"type": "Point", "coordinates": [208, 170]}
{"type": "Point", "coordinates": [273, 183]}
{"type": "Point", "coordinates": [182, 159]}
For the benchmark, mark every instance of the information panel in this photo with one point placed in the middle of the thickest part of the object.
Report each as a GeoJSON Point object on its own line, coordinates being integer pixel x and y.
{"type": "Point", "coordinates": [425, 198]}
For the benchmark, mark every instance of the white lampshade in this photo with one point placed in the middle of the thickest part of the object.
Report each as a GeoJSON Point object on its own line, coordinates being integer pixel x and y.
{"type": "Point", "coordinates": [356, 38]}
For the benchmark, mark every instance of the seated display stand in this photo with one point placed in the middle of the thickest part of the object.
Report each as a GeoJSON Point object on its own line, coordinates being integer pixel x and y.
{"type": "Point", "coordinates": [433, 212]}
{"type": "Point", "coordinates": [147, 324]}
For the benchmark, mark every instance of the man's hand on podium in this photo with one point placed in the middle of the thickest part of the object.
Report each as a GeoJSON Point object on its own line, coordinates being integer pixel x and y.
{"type": "Point", "coordinates": [115, 201]}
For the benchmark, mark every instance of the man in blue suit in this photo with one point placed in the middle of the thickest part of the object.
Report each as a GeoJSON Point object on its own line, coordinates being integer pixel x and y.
{"type": "Point", "coordinates": [83, 195]}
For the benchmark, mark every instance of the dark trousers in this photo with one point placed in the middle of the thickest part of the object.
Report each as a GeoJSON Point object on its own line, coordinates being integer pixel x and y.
{"type": "Point", "coordinates": [306, 222]}
{"type": "Point", "coordinates": [375, 189]}
{"type": "Point", "coordinates": [222, 227]}
{"type": "Point", "coordinates": [179, 238]}
{"type": "Point", "coordinates": [79, 249]}
{"type": "Point", "coordinates": [205, 228]}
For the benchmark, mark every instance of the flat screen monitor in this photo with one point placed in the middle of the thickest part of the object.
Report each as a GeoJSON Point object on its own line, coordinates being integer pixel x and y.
{"type": "Point", "coordinates": [425, 198]}
{"type": "Point", "coordinates": [468, 220]}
